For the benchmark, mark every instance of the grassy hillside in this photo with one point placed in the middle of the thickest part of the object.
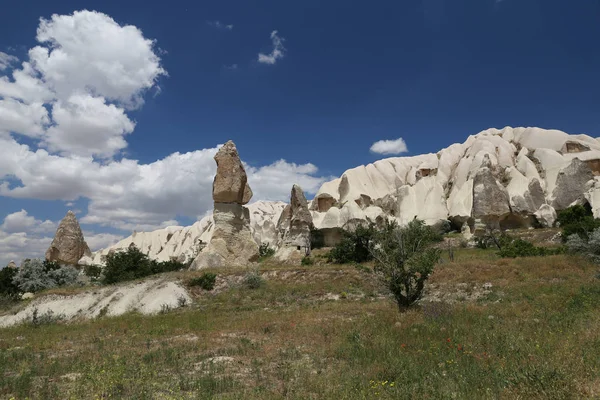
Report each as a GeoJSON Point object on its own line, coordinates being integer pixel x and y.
{"type": "Point", "coordinates": [330, 332]}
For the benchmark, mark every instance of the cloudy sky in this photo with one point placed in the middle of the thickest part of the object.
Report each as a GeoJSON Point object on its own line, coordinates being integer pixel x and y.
{"type": "Point", "coordinates": [115, 109]}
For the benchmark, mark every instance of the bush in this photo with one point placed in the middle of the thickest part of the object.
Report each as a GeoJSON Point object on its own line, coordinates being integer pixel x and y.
{"type": "Point", "coordinates": [64, 276]}
{"type": "Point", "coordinates": [93, 272]}
{"type": "Point", "coordinates": [33, 276]}
{"type": "Point", "coordinates": [265, 251]}
{"type": "Point", "coordinates": [523, 248]}
{"type": "Point", "coordinates": [206, 281]}
{"type": "Point", "coordinates": [354, 246]}
{"type": "Point", "coordinates": [253, 280]}
{"type": "Point", "coordinates": [7, 287]}
{"type": "Point", "coordinates": [577, 220]}
{"type": "Point", "coordinates": [133, 264]}
{"type": "Point", "coordinates": [404, 259]}
{"type": "Point", "coordinates": [307, 261]}
{"type": "Point", "coordinates": [589, 247]}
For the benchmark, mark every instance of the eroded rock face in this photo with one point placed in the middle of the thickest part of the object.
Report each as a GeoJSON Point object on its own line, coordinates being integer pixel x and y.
{"type": "Point", "coordinates": [490, 198]}
{"type": "Point", "coordinates": [68, 245]}
{"type": "Point", "coordinates": [232, 242]}
{"type": "Point", "coordinates": [11, 264]}
{"type": "Point", "coordinates": [231, 182]}
{"type": "Point", "coordinates": [294, 228]}
{"type": "Point", "coordinates": [571, 184]}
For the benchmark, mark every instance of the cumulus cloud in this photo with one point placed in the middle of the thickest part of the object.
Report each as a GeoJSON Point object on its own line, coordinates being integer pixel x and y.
{"type": "Point", "coordinates": [87, 126]}
{"type": "Point", "coordinates": [78, 83]}
{"type": "Point", "coordinates": [397, 146]}
{"type": "Point", "coordinates": [131, 196]}
{"type": "Point", "coordinates": [277, 53]}
{"type": "Point", "coordinates": [6, 60]}
{"type": "Point", "coordinates": [22, 222]}
{"type": "Point", "coordinates": [220, 25]}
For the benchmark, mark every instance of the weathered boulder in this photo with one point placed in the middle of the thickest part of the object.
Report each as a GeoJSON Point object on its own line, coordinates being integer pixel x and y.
{"type": "Point", "coordinates": [546, 215]}
{"type": "Point", "coordinates": [571, 184]}
{"type": "Point", "coordinates": [68, 245]}
{"type": "Point", "coordinates": [232, 242]}
{"type": "Point", "coordinates": [231, 182]}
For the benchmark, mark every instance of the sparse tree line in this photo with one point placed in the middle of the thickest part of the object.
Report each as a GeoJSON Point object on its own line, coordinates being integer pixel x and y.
{"type": "Point", "coordinates": [403, 257]}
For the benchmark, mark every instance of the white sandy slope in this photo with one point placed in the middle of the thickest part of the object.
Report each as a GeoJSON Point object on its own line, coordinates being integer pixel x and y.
{"type": "Point", "coordinates": [147, 297]}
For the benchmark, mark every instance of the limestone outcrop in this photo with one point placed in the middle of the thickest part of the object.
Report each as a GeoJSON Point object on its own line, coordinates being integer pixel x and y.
{"type": "Point", "coordinates": [68, 246]}
{"type": "Point", "coordinates": [231, 243]}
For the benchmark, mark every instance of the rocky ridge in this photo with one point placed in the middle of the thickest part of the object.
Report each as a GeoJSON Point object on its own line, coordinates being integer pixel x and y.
{"type": "Point", "coordinates": [510, 177]}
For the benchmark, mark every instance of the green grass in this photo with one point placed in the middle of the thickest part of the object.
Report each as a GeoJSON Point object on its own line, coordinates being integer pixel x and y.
{"type": "Point", "coordinates": [535, 335]}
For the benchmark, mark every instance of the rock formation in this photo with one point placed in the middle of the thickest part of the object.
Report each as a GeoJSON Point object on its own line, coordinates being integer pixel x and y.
{"type": "Point", "coordinates": [232, 243]}
{"type": "Point", "coordinates": [294, 227]}
{"type": "Point", "coordinates": [11, 264]}
{"type": "Point", "coordinates": [68, 246]}
{"type": "Point", "coordinates": [511, 176]}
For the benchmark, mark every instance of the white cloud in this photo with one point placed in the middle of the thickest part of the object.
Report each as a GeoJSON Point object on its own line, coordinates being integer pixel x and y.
{"type": "Point", "coordinates": [128, 195]}
{"type": "Point", "coordinates": [6, 60]}
{"type": "Point", "coordinates": [21, 222]}
{"type": "Point", "coordinates": [88, 70]}
{"type": "Point", "coordinates": [97, 241]}
{"type": "Point", "coordinates": [277, 52]}
{"type": "Point", "coordinates": [18, 246]}
{"type": "Point", "coordinates": [397, 146]}
{"type": "Point", "coordinates": [220, 25]}
{"type": "Point", "coordinates": [86, 126]}
{"type": "Point", "coordinates": [25, 119]}
{"type": "Point", "coordinates": [89, 50]}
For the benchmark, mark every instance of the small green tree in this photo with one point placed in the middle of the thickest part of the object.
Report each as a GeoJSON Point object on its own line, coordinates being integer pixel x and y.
{"type": "Point", "coordinates": [126, 265]}
{"type": "Point", "coordinates": [354, 246]}
{"type": "Point", "coordinates": [404, 259]}
{"type": "Point", "coordinates": [577, 220]}
{"type": "Point", "coordinates": [7, 286]}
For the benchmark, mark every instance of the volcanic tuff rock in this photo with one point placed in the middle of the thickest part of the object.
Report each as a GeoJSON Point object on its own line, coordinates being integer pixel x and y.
{"type": "Point", "coordinates": [531, 173]}
{"type": "Point", "coordinates": [68, 246]}
{"type": "Point", "coordinates": [231, 182]}
{"type": "Point", "coordinates": [231, 243]}
{"type": "Point", "coordinates": [11, 264]}
{"type": "Point", "coordinates": [294, 228]}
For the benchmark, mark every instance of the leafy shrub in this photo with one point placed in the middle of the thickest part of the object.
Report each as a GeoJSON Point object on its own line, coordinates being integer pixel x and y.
{"type": "Point", "coordinates": [265, 251]}
{"type": "Point", "coordinates": [307, 261]}
{"type": "Point", "coordinates": [317, 239]}
{"type": "Point", "coordinates": [492, 239]}
{"type": "Point", "coordinates": [404, 259]}
{"type": "Point", "coordinates": [93, 272]}
{"type": "Point", "coordinates": [133, 264]}
{"type": "Point", "coordinates": [35, 275]}
{"type": "Point", "coordinates": [577, 220]}
{"type": "Point", "coordinates": [7, 286]}
{"type": "Point", "coordinates": [523, 248]}
{"type": "Point", "coordinates": [354, 246]}
{"type": "Point", "coordinates": [64, 276]}
{"type": "Point", "coordinates": [206, 281]}
{"type": "Point", "coordinates": [253, 280]}
{"type": "Point", "coordinates": [587, 247]}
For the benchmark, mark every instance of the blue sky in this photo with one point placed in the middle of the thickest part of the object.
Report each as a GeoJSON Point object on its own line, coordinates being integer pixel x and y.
{"type": "Point", "coordinates": [349, 74]}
